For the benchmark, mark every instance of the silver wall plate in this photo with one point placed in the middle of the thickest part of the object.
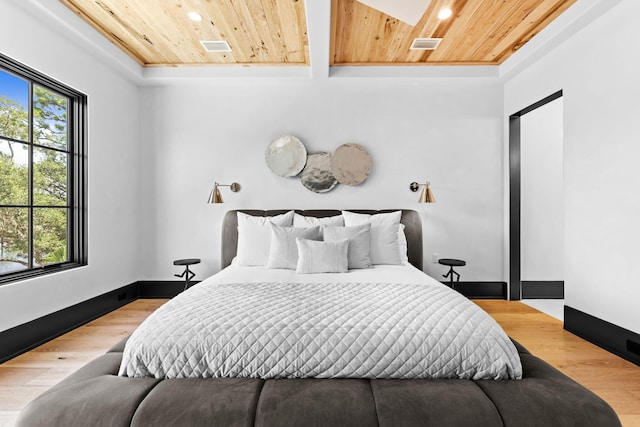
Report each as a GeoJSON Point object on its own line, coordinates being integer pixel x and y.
{"type": "Point", "coordinates": [350, 164]}
{"type": "Point", "coordinates": [316, 175]}
{"type": "Point", "coordinates": [286, 156]}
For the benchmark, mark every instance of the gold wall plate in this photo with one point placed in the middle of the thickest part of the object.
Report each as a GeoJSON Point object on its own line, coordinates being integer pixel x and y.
{"type": "Point", "coordinates": [350, 164]}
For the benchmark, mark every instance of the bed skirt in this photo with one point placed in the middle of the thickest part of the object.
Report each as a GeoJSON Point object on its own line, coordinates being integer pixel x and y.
{"type": "Point", "coordinates": [95, 395]}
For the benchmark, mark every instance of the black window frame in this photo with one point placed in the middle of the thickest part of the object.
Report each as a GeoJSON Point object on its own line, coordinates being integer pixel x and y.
{"type": "Point", "coordinates": [76, 170]}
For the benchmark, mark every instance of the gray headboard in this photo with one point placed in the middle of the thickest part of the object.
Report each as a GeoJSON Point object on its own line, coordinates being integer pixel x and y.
{"type": "Point", "coordinates": [410, 219]}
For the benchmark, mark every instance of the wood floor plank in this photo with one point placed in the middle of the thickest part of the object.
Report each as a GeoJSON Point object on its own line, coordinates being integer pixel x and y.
{"type": "Point", "coordinates": [15, 398]}
{"type": "Point", "coordinates": [630, 420]}
{"type": "Point", "coordinates": [612, 378]}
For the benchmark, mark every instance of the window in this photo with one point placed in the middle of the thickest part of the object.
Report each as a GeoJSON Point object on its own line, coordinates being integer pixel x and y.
{"type": "Point", "coordinates": [42, 174]}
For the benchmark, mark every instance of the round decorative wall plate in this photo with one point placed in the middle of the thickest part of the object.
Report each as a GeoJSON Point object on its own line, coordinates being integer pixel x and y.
{"type": "Point", "coordinates": [316, 175]}
{"type": "Point", "coordinates": [350, 164]}
{"type": "Point", "coordinates": [286, 156]}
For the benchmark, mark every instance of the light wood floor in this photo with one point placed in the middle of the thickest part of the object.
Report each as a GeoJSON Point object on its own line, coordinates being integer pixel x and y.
{"type": "Point", "coordinates": [612, 378]}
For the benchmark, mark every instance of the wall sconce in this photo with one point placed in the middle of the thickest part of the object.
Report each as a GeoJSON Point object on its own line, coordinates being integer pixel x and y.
{"type": "Point", "coordinates": [216, 197]}
{"type": "Point", "coordinates": [427, 194]}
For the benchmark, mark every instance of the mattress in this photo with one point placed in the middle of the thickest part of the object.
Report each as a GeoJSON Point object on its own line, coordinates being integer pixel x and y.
{"type": "Point", "coordinates": [390, 322]}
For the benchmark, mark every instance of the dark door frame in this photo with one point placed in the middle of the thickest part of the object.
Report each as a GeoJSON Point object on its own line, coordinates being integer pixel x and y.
{"type": "Point", "coordinates": [515, 282]}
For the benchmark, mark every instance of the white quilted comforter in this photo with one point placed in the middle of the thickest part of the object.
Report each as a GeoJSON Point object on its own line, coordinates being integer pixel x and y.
{"type": "Point", "coordinates": [251, 322]}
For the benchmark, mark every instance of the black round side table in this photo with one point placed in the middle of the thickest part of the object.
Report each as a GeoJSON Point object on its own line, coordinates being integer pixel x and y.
{"type": "Point", "coordinates": [187, 274]}
{"type": "Point", "coordinates": [451, 262]}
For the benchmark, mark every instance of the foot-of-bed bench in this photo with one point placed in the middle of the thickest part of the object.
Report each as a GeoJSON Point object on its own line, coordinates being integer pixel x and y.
{"type": "Point", "coordinates": [96, 396]}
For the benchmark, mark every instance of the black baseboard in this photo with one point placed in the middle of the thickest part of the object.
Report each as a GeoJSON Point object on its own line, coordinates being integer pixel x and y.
{"type": "Point", "coordinates": [27, 336]}
{"type": "Point", "coordinates": [160, 288]}
{"type": "Point", "coordinates": [613, 338]}
{"type": "Point", "coordinates": [481, 290]}
{"type": "Point", "coordinates": [543, 289]}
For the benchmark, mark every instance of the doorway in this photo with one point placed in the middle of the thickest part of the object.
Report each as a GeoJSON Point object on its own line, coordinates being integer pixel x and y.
{"type": "Point", "coordinates": [536, 199]}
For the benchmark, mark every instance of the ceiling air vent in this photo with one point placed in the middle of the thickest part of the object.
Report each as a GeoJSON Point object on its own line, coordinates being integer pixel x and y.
{"type": "Point", "coordinates": [425, 43]}
{"type": "Point", "coordinates": [216, 45]}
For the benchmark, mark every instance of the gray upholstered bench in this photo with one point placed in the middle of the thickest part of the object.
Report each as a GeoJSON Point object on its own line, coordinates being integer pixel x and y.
{"type": "Point", "coordinates": [96, 396]}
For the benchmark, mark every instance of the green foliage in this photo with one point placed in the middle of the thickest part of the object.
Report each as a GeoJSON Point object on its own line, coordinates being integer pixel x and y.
{"type": "Point", "coordinates": [14, 244]}
{"type": "Point", "coordinates": [49, 180]}
{"type": "Point", "coordinates": [49, 118]}
{"type": "Point", "coordinates": [58, 255]}
{"type": "Point", "coordinates": [49, 235]}
{"type": "Point", "coordinates": [14, 120]}
{"type": "Point", "coordinates": [15, 181]}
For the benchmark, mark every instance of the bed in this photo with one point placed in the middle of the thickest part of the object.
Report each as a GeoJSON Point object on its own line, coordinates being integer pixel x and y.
{"type": "Point", "coordinates": [127, 386]}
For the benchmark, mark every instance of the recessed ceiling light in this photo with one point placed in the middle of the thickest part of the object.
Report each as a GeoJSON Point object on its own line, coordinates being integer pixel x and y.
{"type": "Point", "coordinates": [194, 16]}
{"type": "Point", "coordinates": [444, 14]}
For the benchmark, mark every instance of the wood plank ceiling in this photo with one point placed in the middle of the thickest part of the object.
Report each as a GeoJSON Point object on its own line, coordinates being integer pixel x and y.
{"type": "Point", "coordinates": [273, 32]}
{"type": "Point", "coordinates": [159, 32]}
{"type": "Point", "coordinates": [479, 32]}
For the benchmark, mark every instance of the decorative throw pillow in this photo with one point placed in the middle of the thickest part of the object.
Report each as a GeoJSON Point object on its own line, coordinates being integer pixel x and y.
{"type": "Point", "coordinates": [310, 221]}
{"type": "Point", "coordinates": [359, 237]}
{"type": "Point", "coordinates": [284, 252]}
{"type": "Point", "coordinates": [322, 257]}
{"type": "Point", "coordinates": [254, 237]}
{"type": "Point", "coordinates": [384, 247]}
{"type": "Point", "coordinates": [390, 218]}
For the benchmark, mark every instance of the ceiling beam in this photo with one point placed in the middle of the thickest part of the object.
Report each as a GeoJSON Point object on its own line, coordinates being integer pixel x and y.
{"type": "Point", "coordinates": [319, 35]}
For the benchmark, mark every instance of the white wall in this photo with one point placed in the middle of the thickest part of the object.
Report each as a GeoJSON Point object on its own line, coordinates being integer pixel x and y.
{"type": "Point", "coordinates": [113, 168]}
{"type": "Point", "coordinates": [445, 131]}
{"type": "Point", "coordinates": [542, 194]}
{"type": "Point", "coordinates": [597, 70]}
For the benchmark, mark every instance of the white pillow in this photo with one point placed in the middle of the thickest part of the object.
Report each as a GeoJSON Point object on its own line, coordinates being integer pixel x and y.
{"type": "Point", "coordinates": [352, 218]}
{"type": "Point", "coordinates": [322, 257]}
{"type": "Point", "coordinates": [284, 252]}
{"type": "Point", "coordinates": [359, 237]}
{"type": "Point", "coordinates": [310, 221]}
{"type": "Point", "coordinates": [254, 237]}
{"type": "Point", "coordinates": [384, 246]}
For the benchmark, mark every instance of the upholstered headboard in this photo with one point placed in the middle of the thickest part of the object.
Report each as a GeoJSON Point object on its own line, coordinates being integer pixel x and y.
{"type": "Point", "coordinates": [410, 219]}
